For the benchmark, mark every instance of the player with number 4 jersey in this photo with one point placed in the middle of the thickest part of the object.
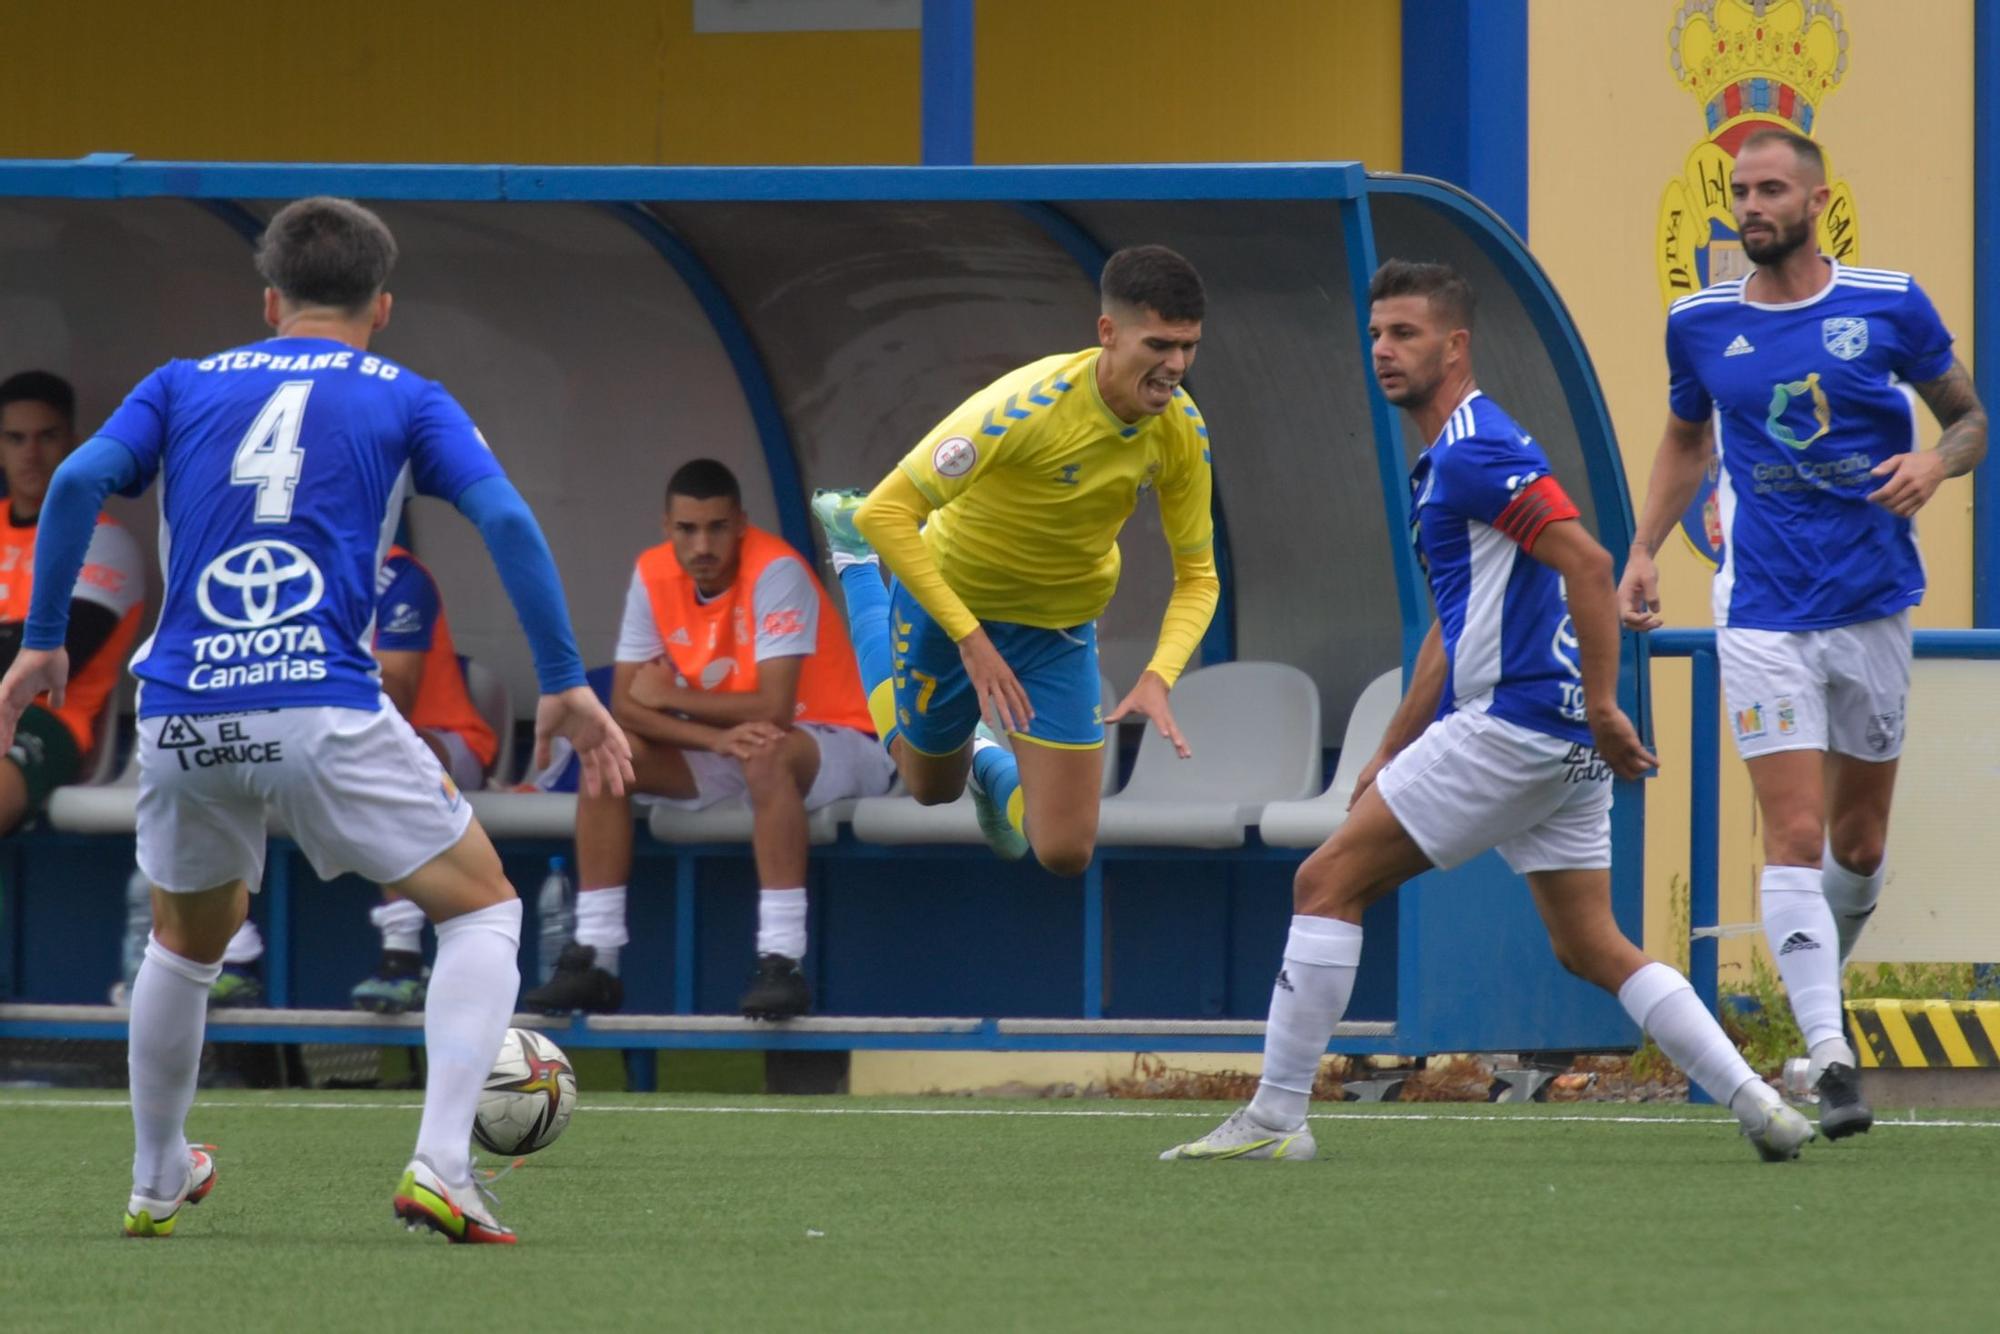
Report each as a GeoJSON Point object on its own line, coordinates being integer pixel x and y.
{"type": "Point", "coordinates": [283, 466]}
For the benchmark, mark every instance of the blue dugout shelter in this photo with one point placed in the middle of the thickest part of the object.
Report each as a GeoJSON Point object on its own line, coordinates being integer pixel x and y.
{"type": "Point", "coordinates": [807, 326]}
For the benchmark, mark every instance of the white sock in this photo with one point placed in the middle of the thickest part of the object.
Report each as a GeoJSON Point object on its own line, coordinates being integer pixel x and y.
{"type": "Point", "coordinates": [1661, 1002]}
{"type": "Point", "coordinates": [169, 1014]}
{"type": "Point", "coordinates": [781, 922]}
{"type": "Point", "coordinates": [401, 923]}
{"type": "Point", "coordinates": [471, 998]}
{"type": "Point", "coordinates": [1799, 925]}
{"type": "Point", "coordinates": [841, 560]}
{"type": "Point", "coordinates": [1851, 896]}
{"type": "Point", "coordinates": [1307, 1000]}
{"type": "Point", "coordinates": [246, 946]}
{"type": "Point", "coordinates": [600, 923]}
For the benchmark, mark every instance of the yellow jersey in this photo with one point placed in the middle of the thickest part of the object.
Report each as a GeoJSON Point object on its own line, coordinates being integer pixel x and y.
{"type": "Point", "coordinates": [1032, 479]}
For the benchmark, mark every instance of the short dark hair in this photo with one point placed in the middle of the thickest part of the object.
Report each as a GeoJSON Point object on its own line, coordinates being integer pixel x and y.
{"type": "Point", "coordinates": [1440, 284]}
{"type": "Point", "coordinates": [1156, 278]}
{"type": "Point", "coordinates": [1804, 149]}
{"type": "Point", "coordinates": [704, 479]}
{"type": "Point", "coordinates": [40, 387]}
{"type": "Point", "coordinates": [326, 252]}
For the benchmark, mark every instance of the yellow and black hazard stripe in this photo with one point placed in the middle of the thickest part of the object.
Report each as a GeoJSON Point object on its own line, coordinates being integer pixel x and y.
{"type": "Point", "coordinates": [1925, 1034]}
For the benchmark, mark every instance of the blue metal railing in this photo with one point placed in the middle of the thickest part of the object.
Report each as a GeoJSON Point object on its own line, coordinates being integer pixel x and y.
{"type": "Point", "coordinates": [1705, 776]}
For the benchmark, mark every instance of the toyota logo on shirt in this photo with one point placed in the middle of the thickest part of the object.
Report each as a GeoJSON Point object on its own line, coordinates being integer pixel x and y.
{"type": "Point", "coordinates": [258, 584]}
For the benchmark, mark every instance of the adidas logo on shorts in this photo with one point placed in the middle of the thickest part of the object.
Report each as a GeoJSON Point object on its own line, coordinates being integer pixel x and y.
{"type": "Point", "coordinates": [1798, 940]}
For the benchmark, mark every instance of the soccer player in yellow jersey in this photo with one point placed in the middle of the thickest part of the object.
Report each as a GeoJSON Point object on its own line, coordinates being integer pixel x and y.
{"type": "Point", "coordinates": [1000, 534]}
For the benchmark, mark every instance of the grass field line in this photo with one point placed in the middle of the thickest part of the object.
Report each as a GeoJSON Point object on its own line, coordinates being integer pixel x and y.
{"type": "Point", "coordinates": [1352, 1117]}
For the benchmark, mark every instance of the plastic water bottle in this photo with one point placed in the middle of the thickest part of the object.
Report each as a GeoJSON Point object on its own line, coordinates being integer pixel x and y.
{"type": "Point", "coordinates": [556, 908]}
{"type": "Point", "coordinates": [138, 929]}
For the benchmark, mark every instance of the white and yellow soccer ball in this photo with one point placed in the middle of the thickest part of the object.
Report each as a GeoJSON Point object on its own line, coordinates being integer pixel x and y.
{"type": "Point", "coordinates": [528, 1098]}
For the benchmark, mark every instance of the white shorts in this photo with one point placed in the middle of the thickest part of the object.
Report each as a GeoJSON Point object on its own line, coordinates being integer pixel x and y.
{"type": "Point", "coordinates": [1473, 782]}
{"type": "Point", "coordinates": [851, 764]}
{"type": "Point", "coordinates": [357, 791]}
{"type": "Point", "coordinates": [1844, 690]}
{"type": "Point", "coordinates": [463, 766]}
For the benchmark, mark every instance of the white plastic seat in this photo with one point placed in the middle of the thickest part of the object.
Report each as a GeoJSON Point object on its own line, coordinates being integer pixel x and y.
{"type": "Point", "coordinates": [495, 703]}
{"type": "Point", "coordinates": [1309, 823]}
{"type": "Point", "coordinates": [525, 814]}
{"type": "Point", "coordinates": [899, 819]}
{"type": "Point", "coordinates": [1254, 730]}
{"type": "Point", "coordinates": [729, 822]}
{"type": "Point", "coordinates": [102, 808]}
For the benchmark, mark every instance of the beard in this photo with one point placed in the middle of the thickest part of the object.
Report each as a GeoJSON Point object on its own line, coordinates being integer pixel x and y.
{"type": "Point", "coordinates": [1413, 392]}
{"type": "Point", "coordinates": [1784, 238]}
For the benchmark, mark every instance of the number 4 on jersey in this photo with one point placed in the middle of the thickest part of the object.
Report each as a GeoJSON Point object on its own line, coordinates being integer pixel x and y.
{"type": "Point", "coordinates": [269, 457]}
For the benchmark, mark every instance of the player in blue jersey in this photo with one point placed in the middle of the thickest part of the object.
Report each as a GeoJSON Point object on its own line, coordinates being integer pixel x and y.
{"type": "Point", "coordinates": [1507, 738]}
{"type": "Point", "coordinates": [1803, 377]}
{"type": "Point", "coordinates": [283, 467]}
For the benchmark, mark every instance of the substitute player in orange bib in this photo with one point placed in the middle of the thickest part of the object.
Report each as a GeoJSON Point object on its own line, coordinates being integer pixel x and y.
{"type": "Point", "coordinates": [37, 428]}
{"type": "Point", "coordinates": [734, 678]}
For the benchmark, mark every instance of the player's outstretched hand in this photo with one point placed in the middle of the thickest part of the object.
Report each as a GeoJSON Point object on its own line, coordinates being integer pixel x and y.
{"type": "Point", "coordinates": [34, 671]}
{"type": "Point", "coordinates": [1618, 745]}
{"type": "Point", "coordinates": [1912, 480]}
{"type": "Point", "coordinates": [601, 745]}
{"type": "Point", "coordinates": [1003, 702]}
{"type": "Point", "coordinates": [1639, 592]}
{"type": "Point", "coordinates": [1149, 700]}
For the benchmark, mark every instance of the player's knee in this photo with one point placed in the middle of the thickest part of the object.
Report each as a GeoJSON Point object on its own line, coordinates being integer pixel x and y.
{"type": "Point", "coordinates": [1795, 839]}
{"type": "Point", "coordinates": [1067, 858]}
{"type": "Point", "coordinates": [1860, 851]}
{"type": "Point", "coordinates": [1317, 886]}
{"type": "Point", "coordinates": [929, 789]}
{"type": "Point", "coordinates": [1574, 956]}
{"type": "Point", "coordinates": [767, 774]}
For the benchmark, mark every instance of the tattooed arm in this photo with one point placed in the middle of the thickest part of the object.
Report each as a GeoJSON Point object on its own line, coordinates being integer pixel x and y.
{"type": "Point", "coordinates": [1913, 478]}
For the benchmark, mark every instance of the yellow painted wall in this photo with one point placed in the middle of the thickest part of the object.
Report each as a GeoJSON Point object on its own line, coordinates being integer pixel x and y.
{"type": "Point", "coordinates": [1189, 81]}
{"type": "Point", "coordinates": [607, 81]}
{"type": "Point", "coordinates": [1608, 128]}
{"type": "Point", "coordinates": [630, 81]}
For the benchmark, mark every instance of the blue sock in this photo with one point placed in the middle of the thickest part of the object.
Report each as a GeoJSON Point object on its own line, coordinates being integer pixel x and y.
{"type": "Point", "coordinates": [868, 628]}
{"type": "Point", "coordinates": [999, 775]}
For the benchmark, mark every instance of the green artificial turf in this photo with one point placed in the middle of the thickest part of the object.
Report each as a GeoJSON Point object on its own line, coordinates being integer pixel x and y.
{"type": "Point", "coordinates": [810, 1214]}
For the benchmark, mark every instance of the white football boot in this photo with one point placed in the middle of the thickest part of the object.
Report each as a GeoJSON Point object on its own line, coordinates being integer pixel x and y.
{"type": "Point", "coordinates": [1241, 1137]}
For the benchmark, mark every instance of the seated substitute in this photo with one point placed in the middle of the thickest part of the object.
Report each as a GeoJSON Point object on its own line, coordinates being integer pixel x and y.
{"type": "Point", "coordinates": [422, 677]}
{"type": "Point", "coordinates": [37, 429]}
{"type": "Point", "coordinates": [734, 677]}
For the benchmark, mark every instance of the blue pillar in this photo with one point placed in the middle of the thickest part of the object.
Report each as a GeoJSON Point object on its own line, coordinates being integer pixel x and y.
{"type": "Point", "coordinates": [947, 83]}
{"type": "Point", "coordinates": [1704, 834]}
{"type": "Point", "coordinates": [1465, 99]}
{"type": "Point", "coordinates": [1986, 303]}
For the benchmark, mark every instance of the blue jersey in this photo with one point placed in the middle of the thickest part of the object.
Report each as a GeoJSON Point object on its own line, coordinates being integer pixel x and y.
{"type": "Point", "coordinates": [283, 467]}
{"type": "Point", "coordinates": [1483, 494]}
{"type": "Point", "coordinates": [1807, 398]}
{"type": "Point", "coordinates": [407, 605]}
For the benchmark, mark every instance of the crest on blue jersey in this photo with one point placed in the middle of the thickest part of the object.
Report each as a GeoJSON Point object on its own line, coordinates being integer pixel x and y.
{"type": "Point", "coordinates": [1846, 336]}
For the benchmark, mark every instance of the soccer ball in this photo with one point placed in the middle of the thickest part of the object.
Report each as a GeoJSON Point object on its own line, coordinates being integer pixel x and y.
{"type": "Point", "coordinates": [528, 1098]}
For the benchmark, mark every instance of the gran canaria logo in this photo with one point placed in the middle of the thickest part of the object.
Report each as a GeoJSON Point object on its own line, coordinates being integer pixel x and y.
{"type": "Point", "coordinates": [1750, 64]}
{"type": "Point", "coordinates": [1781, 401]}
